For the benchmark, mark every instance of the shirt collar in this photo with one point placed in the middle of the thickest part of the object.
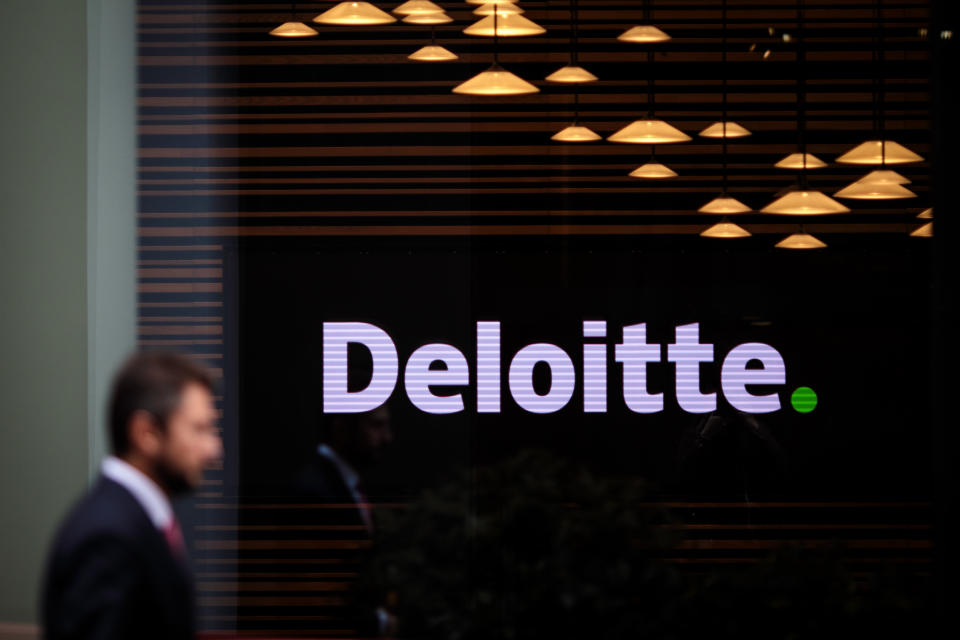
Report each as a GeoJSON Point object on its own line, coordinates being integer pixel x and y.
{"type": "Point", "coordinates": [153, 500]}
{"type": "Point", "coordinates": [350, 476]}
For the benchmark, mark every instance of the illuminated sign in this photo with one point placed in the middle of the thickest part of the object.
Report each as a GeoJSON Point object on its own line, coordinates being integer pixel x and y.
{"type": "Point", "coordinates": [424, 385]}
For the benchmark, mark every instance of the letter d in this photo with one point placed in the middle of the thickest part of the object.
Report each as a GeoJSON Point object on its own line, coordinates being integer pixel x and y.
{"type": "Point", "coordinates": [336, 337]}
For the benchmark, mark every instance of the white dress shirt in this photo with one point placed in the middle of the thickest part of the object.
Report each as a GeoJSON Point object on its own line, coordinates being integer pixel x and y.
{"type": "Point", "coordinates": [151, 497]}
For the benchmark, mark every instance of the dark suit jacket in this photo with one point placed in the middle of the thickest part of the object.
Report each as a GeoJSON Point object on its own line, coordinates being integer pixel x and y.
{"type": "Point", "coordinates": [112, 575]}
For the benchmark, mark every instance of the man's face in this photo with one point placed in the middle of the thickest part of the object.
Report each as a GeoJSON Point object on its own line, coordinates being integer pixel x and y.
{"type": "Point", "coordinates": [362, 441]}
{"type": "Point", "coordinates": [191, 442]}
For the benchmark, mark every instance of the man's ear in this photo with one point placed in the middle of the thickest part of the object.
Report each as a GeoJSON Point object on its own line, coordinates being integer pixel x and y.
{"type": "Point", "coordinates": [145, 436]}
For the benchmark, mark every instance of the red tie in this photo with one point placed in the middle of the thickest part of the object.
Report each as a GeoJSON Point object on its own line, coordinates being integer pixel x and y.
{"type": "Point", "coordinates": [174, 537]}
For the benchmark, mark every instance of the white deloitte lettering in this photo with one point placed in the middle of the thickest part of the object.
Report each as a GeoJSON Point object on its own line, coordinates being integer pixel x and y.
{"type": "Point", "coordinates": [633, 353]}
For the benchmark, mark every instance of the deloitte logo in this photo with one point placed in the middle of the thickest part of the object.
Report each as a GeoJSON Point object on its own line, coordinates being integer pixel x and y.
{"type": "Point", "coordinates": [424, 385]}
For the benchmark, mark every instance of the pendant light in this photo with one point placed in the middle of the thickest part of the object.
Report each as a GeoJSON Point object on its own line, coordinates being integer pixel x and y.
{"type": "Point", "coordinates": [724, 128]}
{"type": "Point", "coordinates": [724, 203]}
{"type": "Point", "coordinates": [573, 72]}
{"type": "Point", "coordinates": [645, 33]}
{"type": "Point", "coordinates": [725, 230]}
{"type": "Point", "coordinates": [805, 161]}
{"type": "Point", "coordinates": [294, 28]}
{"type": "Point", "coordinates": [354, 14]}
{"type": "Point", "coordinates": [926, 214]}
{"type": "Point", "coordinates": [506, 25]}
{"type": "Point", "coordinates": [650, 130]}
{"type": "Point", "coordinates": [860, 190]}
{"type": "Point", "coordinates": [495, 81]}
{"type": "Point", "coordinates": [414, 7]}
{"type": "Point", "coordinates": [801, 240]}
{"type": "Point", "coordinates": [489, 8]}
{"type": "Point", "coordinates": [923, 231]}
{"type": "Point", "coordinates": [803, 201]}
{"type": "Point", "coordinates": [432, 53]}
{"type": "Point", "coordinates": [879, 151]}
{"type": "Point", "coordinates": [427, 18]}
{"type": "Point", "coordinates": [884, 176]}
{"type": "Point", "coordinates": [576, 132]}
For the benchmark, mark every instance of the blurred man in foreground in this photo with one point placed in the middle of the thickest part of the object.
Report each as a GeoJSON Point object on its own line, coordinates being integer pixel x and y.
{"type": "Point", "coordinates": [118, 565]}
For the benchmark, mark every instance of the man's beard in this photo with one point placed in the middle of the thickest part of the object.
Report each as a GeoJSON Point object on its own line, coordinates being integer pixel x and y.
{"type": "Point", "coordinates": [173, 480]}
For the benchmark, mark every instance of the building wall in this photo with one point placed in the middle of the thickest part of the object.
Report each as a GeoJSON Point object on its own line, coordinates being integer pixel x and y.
{"type": "Point", "coordinates": [67, 265]}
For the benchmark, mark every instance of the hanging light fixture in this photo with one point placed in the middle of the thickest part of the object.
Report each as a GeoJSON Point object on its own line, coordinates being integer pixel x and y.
{"type": "Point", "coordinates": [414, 7]}
{"type": "Point", "coordinates": [294, 28]}
{"type": "Point", "coordinates": [725, 130]}
{"type": "Point", "coordinates": [354, 14]}
{"type": "Point", "coordinates": [926, 214]}
{"type": "Point", "coordinates": [653, 171]}
{"type": "Point", "coordinates": [800, 240]}
{"type": "Point", "coordinates": [505, 25]}
{"type": "Point", "coordinates": [649, 130]}
{"type": "Point", "coordinates": [724, 203]}
{"type": "Point", "coordinates": [884, 176]}
{"type": "Point", "coordinates": [881, 151]}
{"type": "Point", "coordinates": [725, 229]}
{"type": "Point", "coordinates": [489, 8]}
{"type": "Point", "coordinates": [576, 133]}
{"type": "Point", "coordinates": [573, 73]}
{"type": "Point", "coordinates": [875, 191]}
{"type": "Point", "coordinates": [802, 201]}
{"type": "Point", "coordinates": [427, 18]}
{"type": "Point", "coordinates": [432, 53]}
{"type": "Point", "coordinates": [805, 202]}
{"type": "Point", "coordinates": [923, 231]}
{"type": "Point", "coordinates": [495, 81]}
{"type": "Point", "coordinates": [570, 74]}
{"type": "Point", "coordinates": [644, 33]}
{"type": "Point", "coordinates": [802, 161]}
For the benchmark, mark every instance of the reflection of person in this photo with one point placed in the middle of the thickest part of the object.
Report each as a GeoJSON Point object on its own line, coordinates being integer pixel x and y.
{"type": "Point", "coordinates": [118, 567]}
{"type": "Point", "coordinates": [349, 444]}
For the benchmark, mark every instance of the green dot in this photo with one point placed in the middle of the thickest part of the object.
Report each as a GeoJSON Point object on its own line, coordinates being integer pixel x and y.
{"type": "Point", "coordinates": [804, 400]}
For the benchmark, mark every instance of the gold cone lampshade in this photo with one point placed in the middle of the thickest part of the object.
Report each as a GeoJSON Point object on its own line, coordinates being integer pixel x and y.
{"type": "Point", "coordinates": [800, 241]}
{"type": "Point", "coordinates": [495, 81]}
{"type": "Point", "coordinates": [796, 161]}
{"type": "Point", "coordinates": [804, 202]}
{"type": "Point", "coordinates": [432, 53]}
{"type": "Point", "coordinates": [926, 214]}
{"type": "Point", "coordinates": [294, 30]}
{"type": "Point", "coordinates": [923, 231]}
{"type": "Point", "coordinates": [716, 130]}
{"type": "Point", "coordinates": [649, 131]}
{"type": "Point", "coordinates": [643, 33]}
{"type": "Point", "coordinates": [725, 230]}
{"type": "Point", "coordinates": [427, 18]}
{"type": "Point", "coordinates": [572, 75]}
{"type": "Point", "coordinates": [653, 171]}
{"type": "Point", "coordinates": [879, 152]}
{"type": "Point", "coordinates": [502, 8]}
{"type": "Point", "coordinates": [576, 133]}
{"type": "Point", "coordinates": [414, 7]}
{"type": "Point", "coordinates": [724, 204]}
{"type": "Point", "coordinates": [354, 14]}
{"type": "Point", "coordinates": [884, 176]}
{"type": "Point", "coordinates": [508, 26]}
{"type": "Point", "coordinates": [875, 191]}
